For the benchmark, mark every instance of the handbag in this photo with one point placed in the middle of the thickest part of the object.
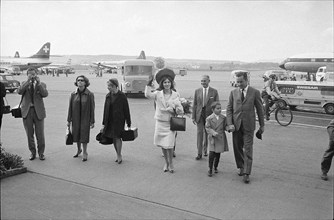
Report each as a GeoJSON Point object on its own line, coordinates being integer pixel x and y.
{"type": "Point", "coordinates": [6, 108]}
{"type": "Point", "coordinates": [102, 139]}
{"type": "Point", "coordinates": [16, 112]}
{"type": "Point", "coordinates": [177, 123]}
{"type": "Point", "coordinates": [130, 134]}
{"type": "Point", "coordinates": [69, 137]}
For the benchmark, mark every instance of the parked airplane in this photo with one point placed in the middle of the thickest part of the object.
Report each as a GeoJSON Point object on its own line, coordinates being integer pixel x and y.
{"type": "Point", "coordinates": [309, 63]}
{"type": "Point", "coordinates": [60, 67]}
{"type": "Point", "coordinates": [41, 58]}
{"type": "Point", "coordinates": [110, 65]}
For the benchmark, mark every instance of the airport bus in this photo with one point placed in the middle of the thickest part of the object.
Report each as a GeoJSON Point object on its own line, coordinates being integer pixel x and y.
{"type": "Point", "coordinates": [135, 74]}
{"type": "Point", "coordinates": [308, 93]}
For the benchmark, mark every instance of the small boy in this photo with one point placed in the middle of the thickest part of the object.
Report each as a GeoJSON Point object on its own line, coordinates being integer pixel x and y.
{"type": "Point", "coordinates": [329, 153]}
{"type": "Point", "coordinates": [215, 126]}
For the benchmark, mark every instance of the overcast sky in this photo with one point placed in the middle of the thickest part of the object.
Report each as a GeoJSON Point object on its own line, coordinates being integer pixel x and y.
{"type": "Point", "coordinates": [219, 30]}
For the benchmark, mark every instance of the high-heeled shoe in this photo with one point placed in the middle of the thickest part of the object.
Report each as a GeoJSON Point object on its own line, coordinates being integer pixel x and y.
{"type": "Point", "coordinates": [165, 169]}
{"type": "Point", "coordinates": [84, 158]}
{"type": "Point", "coordinates": [171, 169]}
{"type": "Point", "coordinates": [78, 153]}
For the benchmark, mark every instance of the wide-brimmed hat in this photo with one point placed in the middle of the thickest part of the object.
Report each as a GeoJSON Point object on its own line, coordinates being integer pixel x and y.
{"type": "Point", "coordinates": [164, 72]}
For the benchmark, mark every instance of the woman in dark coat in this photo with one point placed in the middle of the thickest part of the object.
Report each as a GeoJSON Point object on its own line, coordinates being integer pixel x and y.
{"type": "Point", "coordinates": [81, 114]}
{"type": "Point", "coordinates": [116, 113]}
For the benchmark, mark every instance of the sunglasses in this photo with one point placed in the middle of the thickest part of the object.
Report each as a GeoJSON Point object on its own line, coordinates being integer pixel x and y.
{"type": "Point", "coordinates": [80, 80]}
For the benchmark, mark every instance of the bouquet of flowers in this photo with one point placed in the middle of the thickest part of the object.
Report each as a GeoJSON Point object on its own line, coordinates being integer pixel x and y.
{"type": "Point", "coordinates": [187, 106]}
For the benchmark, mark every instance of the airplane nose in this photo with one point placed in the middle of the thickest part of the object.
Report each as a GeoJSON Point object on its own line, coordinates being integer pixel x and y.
{"type": "Point", "coordinates": [281, 65]}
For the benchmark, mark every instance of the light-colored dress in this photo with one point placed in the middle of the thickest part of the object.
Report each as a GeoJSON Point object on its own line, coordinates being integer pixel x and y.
{"type": "Point", "coordinates": [163, 136]}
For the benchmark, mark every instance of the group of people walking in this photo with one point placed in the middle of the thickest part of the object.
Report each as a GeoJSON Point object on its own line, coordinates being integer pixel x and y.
{"type": "Point", "coordinates": [244, 104]}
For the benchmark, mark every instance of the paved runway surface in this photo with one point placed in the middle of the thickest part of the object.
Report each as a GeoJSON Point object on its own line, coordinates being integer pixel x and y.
{"type": "Point", "coordinates": [285, 180]}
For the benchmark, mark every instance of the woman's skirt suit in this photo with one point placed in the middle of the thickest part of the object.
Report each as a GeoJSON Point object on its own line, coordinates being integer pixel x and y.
{"type": "Point", "coordinates": [116, 113]}
{"type": "Point", "coordinates": [163, 136]}
{"type": "Point", "coordinates": [81, 114]}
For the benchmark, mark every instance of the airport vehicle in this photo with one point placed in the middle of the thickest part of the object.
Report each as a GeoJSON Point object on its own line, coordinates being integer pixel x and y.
{"type": "Point", "coordinates": [182, 72]}
{"type": "Point", "coordinates": [10, 83]}
{"type": "Point", "coordinates": [41, 58]}
{"type": "Point", "coordinates": [308, 93]}
{"type": "Point", "coordinates": [309, 63]}
{"type": "Point", "coordinates": [283, 114]}
{"type": "Point", "coordinates": [280, 74]}
{"type": "Point", "coordinates": [135, 75]}
{"type": "Point", "coordinates": [233, 77]}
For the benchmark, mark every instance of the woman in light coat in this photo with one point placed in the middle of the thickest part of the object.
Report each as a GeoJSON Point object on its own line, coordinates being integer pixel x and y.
{"type": "Point", "coordinates": [168, 104]}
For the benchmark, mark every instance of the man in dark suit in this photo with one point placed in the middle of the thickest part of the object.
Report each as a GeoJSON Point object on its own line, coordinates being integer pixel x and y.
{"type": "Point", "coordinates": [203, 99]}
{"type": "Point", "coordinates": [33, 112]}
{"type": "Point", "coordinates": [240, 113]}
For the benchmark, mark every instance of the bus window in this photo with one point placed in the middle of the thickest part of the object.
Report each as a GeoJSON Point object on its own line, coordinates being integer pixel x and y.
{"type": "Point", "coordinates": [138, 70]}
{"type": "Point", "coordinates": [327, 91]}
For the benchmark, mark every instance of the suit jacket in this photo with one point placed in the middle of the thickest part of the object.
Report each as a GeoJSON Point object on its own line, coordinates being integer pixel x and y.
{"type": "Point", "coordinates": [238, 111]}
{"type": "Point", "coordinates": [218, 143]}
{"type": "Point", "coordinates": [198, 102]}
{"type": "Point", "coordinates": [161, 112]}
{"type": "Point", "coordinates": [40, 92]}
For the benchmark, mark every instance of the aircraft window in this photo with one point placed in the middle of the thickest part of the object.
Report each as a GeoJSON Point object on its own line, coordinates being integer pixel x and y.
{"type": "Point", "coordinates": [312, 60]}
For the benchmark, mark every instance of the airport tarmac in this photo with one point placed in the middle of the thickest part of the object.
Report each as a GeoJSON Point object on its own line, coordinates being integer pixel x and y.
{"type": "Point", "coordinates": [285, 181]}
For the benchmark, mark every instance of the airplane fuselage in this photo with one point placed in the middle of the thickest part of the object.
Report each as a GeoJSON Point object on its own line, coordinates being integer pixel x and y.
{"type": "Point", "coordinates": [307, 63]}
{"type": "Point", "coordinates": [24, 63]}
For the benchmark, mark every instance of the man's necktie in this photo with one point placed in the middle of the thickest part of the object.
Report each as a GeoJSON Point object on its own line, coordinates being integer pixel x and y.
{"type": "Point", "coordinates": [32, 90]}
{"type": "Point", "coordinates": [242, 95]}
{"type": "Point", "coordinates": [204, 98]}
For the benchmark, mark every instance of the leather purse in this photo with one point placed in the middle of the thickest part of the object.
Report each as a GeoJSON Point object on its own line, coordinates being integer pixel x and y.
{"type": "Point", "coordinates": [177, 123]}
{"type": "Point", "coordinates": [103, 139]}
{"type": "Point", "coordinates": [130, 134]}
{"type": "Point", "coordinates": [16, 112]}
{"type": "Point", "coordinates": [6, 108]}
{"type": "Point", "coordinates": [69, 137]}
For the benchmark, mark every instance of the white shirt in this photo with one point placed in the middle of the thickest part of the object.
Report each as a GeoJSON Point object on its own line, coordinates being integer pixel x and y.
{"type": "Point", "coordinates": [245, 91]}
{"type": "Point", "coordinates": [205, 98]}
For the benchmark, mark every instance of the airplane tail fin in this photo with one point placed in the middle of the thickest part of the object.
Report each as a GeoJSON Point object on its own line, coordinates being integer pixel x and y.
{"type": "Point", "coordinates": [17, 55]}
{"type": "Point", "coordinates": [44, 52]}
{"type": "Point", "coordinates": [142, 55]}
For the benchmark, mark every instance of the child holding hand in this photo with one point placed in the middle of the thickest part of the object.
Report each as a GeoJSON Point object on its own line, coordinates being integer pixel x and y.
{"type": "Point", "coordinates": [216, 126]}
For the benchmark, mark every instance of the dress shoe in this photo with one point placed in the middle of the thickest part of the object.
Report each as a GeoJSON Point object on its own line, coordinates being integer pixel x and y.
{"type": "Point", "coordinates": [174, 155]}
{"type": "Point", "coordinates": [198, 157]}
{"type": "Point", "coordinates": [210, 173]}
{"type": "Point", "coordinates": [240, 172]}
{"type": "Point", "coordinates": [32, 157]}
{"type": "Point", "coordinates": [324, 176]}
{"type": "Point", "coordinates": [246, 178]}
{"type": "Point", "coordinates": [216, 170]}
{"type": "Point", "coordinates": [119, 161]}
{"type": "Point", "coordinates": [78, 153]}
{"type": "Point", "coordinates": [205, 154]}
{"type": "Point", "coordinates": [84, 157]}
{"type": "Point", "coordinates": [41, 157]}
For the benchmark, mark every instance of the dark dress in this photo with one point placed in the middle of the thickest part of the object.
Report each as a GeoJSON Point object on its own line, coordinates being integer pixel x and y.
{"type": "Point", "coordinates": [116, 113]}
{"type": "Point", "coordinates": [81, 114]}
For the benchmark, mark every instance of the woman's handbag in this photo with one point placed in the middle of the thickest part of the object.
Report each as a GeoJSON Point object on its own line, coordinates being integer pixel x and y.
{"type": "Point", "coordinates": [177, 123]}
{"type": "Point", "coordinates": [69, 137]}
{"type": "Point", "coordinates": [130, 134]}
{"type": "Point", "coordinates": [103, 139]}
{"type": "Point", "coordinates": [16, 112]}
{"type": "Point", "coordinates": [6, 108]}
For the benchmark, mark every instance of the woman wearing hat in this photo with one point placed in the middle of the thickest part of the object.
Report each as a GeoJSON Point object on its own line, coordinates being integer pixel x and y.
{"type": "Point", "coordinates": [116, 113]}
{"type": "Point", "coordinates": [167, 104]}
{"type": "Point", "coordinates": [81, 114]}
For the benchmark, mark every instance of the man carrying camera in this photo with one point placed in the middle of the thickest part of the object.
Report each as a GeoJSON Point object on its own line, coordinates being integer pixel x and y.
{"type": "Point", "coordinates": [33, 112]}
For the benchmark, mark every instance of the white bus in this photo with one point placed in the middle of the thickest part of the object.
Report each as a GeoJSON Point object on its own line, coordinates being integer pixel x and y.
{"type": "Point", "coordinates": [135, 75]}
{"type": "Point", "coordinates": [308, 93]}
